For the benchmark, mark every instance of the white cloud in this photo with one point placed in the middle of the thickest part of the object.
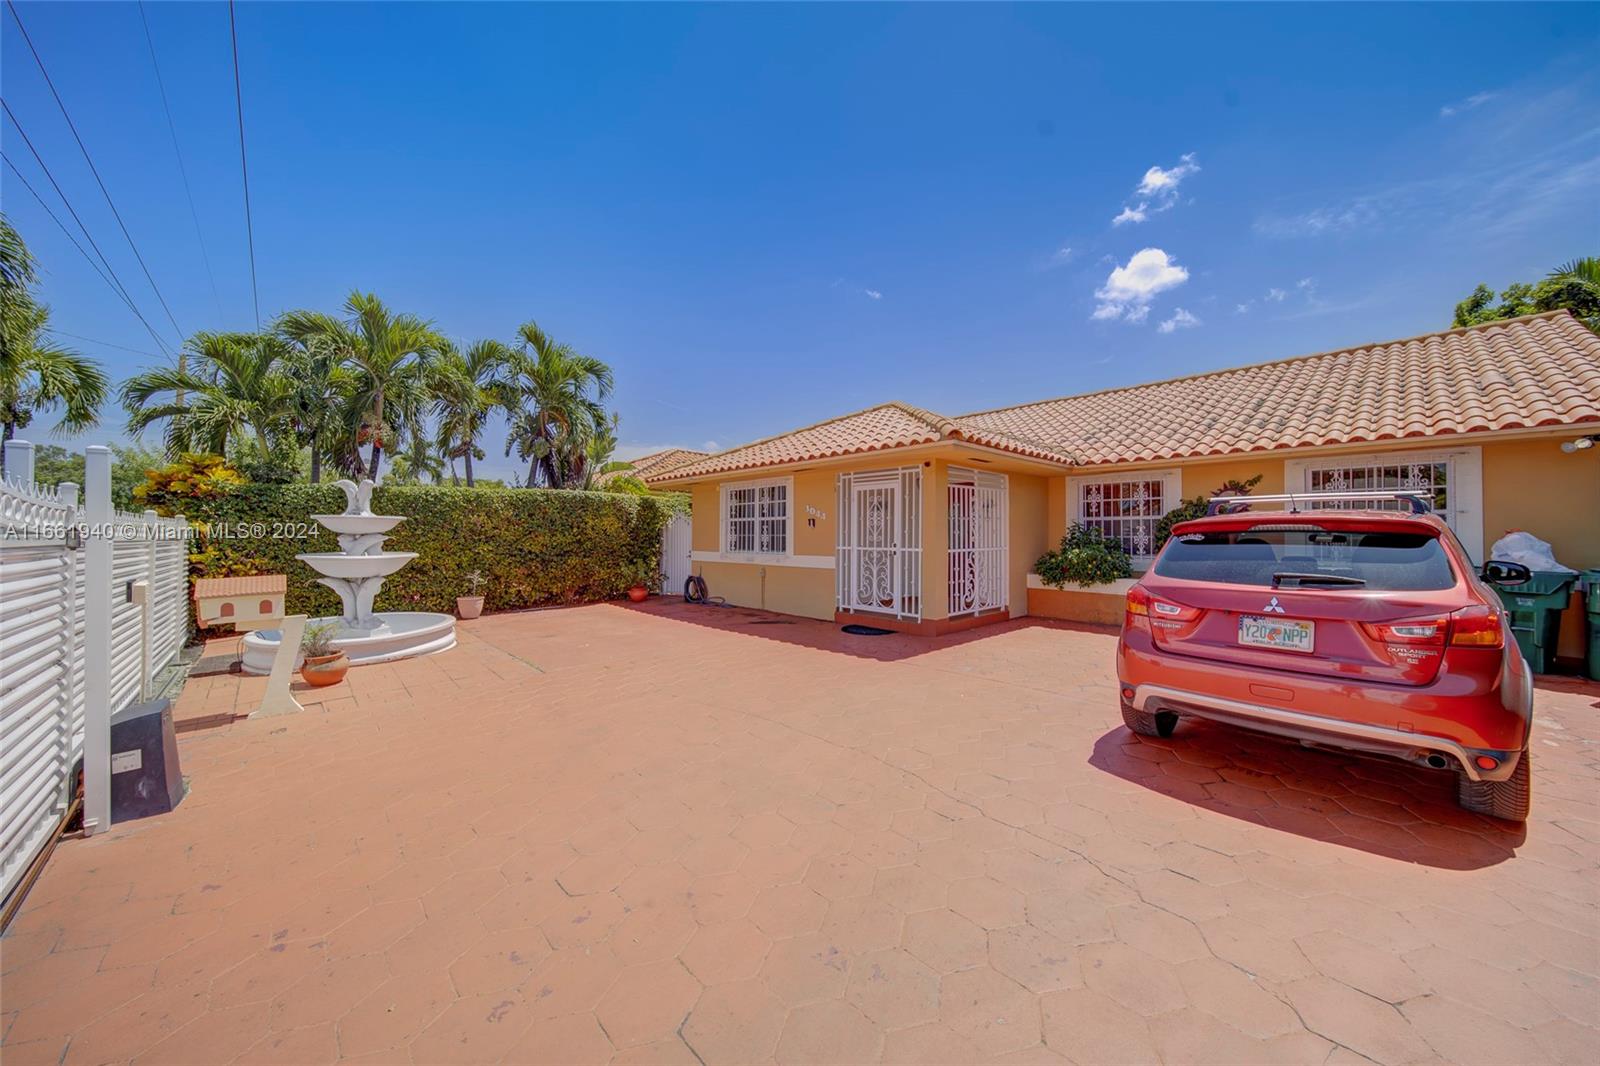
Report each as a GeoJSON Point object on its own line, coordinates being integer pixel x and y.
{"type": "Point", "coordinates": [1130, 288]}
{"type": "Point", "coordinates": [1158, 190]}
{"type": "Point", "coordinates": [1132, 214]}
{"type": "Point", "coordinates": [872, 294]}
{"type": "Point", "coordinates": [1244, 308]}
{"type": "Point", "coordinates": [1180, 319]}
{"type": "Point", "coordinates": [1164, 183]}
{"type": "Point", "coordinates": [1277, 296]}
{"type": "Point", "coordinates": [1475, 100]}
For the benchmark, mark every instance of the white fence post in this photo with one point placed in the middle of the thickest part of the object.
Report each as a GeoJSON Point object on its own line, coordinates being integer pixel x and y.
{"type": "Point", "coordinates": [99, 515]}
{"type": "Point", "coordinates": [19, 462]}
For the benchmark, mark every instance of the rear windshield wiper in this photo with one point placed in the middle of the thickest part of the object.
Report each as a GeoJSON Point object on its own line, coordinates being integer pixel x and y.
{"type": "Point", "coordinates": [1315, 579]}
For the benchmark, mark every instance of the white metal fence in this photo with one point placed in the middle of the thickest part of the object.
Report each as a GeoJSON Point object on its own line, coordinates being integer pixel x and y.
{"type": "Point", "coordinates": [92, 604]}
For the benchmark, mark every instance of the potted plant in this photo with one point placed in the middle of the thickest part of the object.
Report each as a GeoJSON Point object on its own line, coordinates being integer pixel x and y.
{"type": "Point", "coordinates": [324, 664]}
{"type": "Point", "coordinates": [643, 577]}
{"type": "Point", "coordinates": [471, 605]}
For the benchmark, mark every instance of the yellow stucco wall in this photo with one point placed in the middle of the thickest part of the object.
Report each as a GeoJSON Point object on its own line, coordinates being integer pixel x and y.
{"type": "Point", "coordinates": [1029, 502]}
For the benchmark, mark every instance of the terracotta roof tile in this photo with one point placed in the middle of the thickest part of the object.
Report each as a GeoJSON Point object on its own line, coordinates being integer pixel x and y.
{"type": "Point", "coordinates": [1524, 372]}
{"type": "Point", "coordinates": [654, 465]}
{"type": "Point", "coordinates": [889, 425]}
{"type": "Point", "coordinates": [1532, 371]}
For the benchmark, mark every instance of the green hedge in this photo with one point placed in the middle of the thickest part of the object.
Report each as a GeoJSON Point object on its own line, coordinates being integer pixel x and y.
{"type": "Point", "coordinates": [533, 546]}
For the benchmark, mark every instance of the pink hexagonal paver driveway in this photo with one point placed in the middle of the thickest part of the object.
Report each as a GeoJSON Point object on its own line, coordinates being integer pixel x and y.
{"type": "Point", "coordinates": [677, 834]}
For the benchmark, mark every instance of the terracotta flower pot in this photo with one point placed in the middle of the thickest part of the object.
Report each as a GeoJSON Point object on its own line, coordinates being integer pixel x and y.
{"type": "Point", "coordinates": [469, 606]}
{"type": "Point", "coordinates": [638, 593]}
{"type": "Point", "coordinates": [320, 670]}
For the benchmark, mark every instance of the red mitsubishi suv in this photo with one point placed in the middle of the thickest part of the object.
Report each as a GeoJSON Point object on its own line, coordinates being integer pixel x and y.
{"type": "Point", "coordinates": [1368, 630]}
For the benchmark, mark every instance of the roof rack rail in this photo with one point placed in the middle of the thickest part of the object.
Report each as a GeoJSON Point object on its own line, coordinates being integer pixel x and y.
{"type": "Point", "coordinates": [1232, 504]}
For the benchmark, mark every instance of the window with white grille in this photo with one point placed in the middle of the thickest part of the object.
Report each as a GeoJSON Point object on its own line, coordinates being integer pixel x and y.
{"type": "Point", "coordinates": [1125, 509]}
{"type": "Point", "coordinates": [756, 517]}
{"type": "Point", "coordinates": [1450, 480]}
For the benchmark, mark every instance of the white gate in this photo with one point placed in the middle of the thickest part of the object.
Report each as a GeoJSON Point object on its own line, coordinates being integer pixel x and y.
{"type": "Point", "coordinates": [879, 560]}
{"type": "Point", "coordinates": [677, 542]}
{"type": "Point", "coordinates": [979, 546]}
{"type": "Point", "coordinates": [78, 641]}
{"type": "Point", "coordinates": [39, 573]}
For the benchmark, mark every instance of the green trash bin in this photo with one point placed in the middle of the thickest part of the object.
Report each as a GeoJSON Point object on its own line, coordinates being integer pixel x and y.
{"type": "Point", "coordinates": [1591, 581]}
{"type": "Point", "coordinates": [1536, 607]}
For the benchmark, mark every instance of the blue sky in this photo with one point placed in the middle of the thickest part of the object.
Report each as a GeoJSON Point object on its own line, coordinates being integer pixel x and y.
{"type": "Point", "coordinates": [763, 216]}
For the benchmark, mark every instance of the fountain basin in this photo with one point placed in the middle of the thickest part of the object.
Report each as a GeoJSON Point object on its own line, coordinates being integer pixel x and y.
{"type": "Point", "coordinates": [399, 635]}
{"type": "Point", "coordinates": [358, 523]}
{"type": "Point", "coordinates": [356, 567]}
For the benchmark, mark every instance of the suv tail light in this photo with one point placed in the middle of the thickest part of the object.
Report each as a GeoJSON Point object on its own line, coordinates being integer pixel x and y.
{"type": "Point", "coordinates": [1415, 632]}
{"type": "Point", "coordinates": [1147, 611]}
{"type": "Point", "coordinates": [1477, 627]}
{"type": "Point", "coordinates": [1138, 609]}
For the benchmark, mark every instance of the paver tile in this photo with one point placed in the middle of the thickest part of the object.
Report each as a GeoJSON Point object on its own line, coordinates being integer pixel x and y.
{"type": "Point", "coordinates": [531, 855]}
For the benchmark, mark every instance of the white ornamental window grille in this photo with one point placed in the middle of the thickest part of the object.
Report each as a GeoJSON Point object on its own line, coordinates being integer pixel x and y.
{"type": "Point", "coordinates": [1125, 511]}
{"type": "Point", "coordinates": [1429, 478]}
{"type": "Point", "coordinates": [757, 518]}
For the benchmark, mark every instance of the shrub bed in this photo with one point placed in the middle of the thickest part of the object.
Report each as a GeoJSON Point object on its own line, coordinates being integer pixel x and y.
{"type": "Point", "coordinates": [533, 546]}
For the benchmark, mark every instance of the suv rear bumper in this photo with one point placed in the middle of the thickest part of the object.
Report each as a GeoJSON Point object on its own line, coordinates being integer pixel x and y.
{"type": "Point", "coordinates": [1297, 725]}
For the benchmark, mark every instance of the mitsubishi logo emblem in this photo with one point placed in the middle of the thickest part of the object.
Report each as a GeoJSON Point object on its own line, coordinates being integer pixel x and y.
{"type": "Point", "coordinates": [1273, 607]}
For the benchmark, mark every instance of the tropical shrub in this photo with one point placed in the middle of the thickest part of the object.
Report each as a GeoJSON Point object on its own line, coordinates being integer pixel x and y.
{"type": "Point", "coordinates": [530, 547]}
{"type": "Point", "coordinates": [1196, 507]}
{"type": "Point", "coordinates": [1085, 558]}
{"type": "Point", "coordinates": [194, 477]}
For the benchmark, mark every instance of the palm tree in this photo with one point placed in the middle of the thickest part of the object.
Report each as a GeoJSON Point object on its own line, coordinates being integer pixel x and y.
{"type": "Point", "coordinates": [322, 390]}
{"type": "Point", "coordinates": [467, 389]}
{"type": "Point", "coordinates": [1575, 285]}
{"type": "Point", "coordinates": [420, 458]}
{"type": "Point", "coordinates": [388, 354]}
{"type": "Point", "coordinates": [236, 388]}
{"type": "Point", "coordinates": [37, 374]}
{"type": "Point", "coordinates": [553, 396]}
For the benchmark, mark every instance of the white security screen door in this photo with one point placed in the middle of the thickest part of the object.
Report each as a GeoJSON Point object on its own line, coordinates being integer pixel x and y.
{"type": "Point", "coordinates": [879, 551]}
{"type": "Point", "coordinates": [978, 542]}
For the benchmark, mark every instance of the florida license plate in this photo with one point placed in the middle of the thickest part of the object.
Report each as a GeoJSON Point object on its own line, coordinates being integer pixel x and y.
{"type": "Point", "coordinates": [1258, 632]}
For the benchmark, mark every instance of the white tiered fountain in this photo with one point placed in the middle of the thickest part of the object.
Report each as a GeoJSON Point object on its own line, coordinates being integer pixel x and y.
{"type": "Point", "coordinates": [356, 573]}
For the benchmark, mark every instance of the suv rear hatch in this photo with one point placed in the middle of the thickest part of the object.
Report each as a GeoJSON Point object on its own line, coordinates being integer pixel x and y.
{"type": "Point", "coordinates": [1326, 595]}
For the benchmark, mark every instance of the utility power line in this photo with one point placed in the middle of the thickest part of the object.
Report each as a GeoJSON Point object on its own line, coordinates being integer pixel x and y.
{"type": "Point", "coordinates": [61, 225]}
{"type": "Point", "coordinates": [244, 167]}
{"type": "Point", "coordinates": [96, 340]}
{"type": "Point", "coordinates": [92, 169]}
{"type": "Point", "coordinates": [115, 282]}
{"type": "Point", "coordinates": [183, 171]}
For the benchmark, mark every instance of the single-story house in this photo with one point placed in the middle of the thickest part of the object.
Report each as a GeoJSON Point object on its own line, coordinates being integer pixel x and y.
{"type": "Point", "coordinates": [906, 519]}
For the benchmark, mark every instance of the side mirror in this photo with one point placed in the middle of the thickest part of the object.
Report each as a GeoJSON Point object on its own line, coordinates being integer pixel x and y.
{"type": "Point", "coordinates": [1497, 572]}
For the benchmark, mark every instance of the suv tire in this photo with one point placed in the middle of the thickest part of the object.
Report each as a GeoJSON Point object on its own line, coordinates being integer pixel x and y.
{"type": "Point", "coordinates": [1146, 724]}
{"type": "Point", "coordinates": [1508, 799]}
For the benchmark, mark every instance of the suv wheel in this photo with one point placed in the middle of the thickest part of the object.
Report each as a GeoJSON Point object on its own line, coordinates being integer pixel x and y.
{"type": "Point", "coordinates": [1146, 724]}
{"type": "Point", "coordinates": [1508, 799]}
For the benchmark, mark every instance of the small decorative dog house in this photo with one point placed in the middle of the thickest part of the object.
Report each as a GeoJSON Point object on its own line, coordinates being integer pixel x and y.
{"type": "Point", "coordinates": [248, 603]}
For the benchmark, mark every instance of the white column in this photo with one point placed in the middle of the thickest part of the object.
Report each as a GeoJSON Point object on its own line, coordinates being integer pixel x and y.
{"type": "Point", "coordinates": [97, 641]}
{"type": "Point", "coordinates": [19, 462]}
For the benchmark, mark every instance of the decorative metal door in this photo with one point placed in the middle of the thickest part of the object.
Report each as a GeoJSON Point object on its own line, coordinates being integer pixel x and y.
{"type": "Point", "coordinates": [977, 542]}
{"type": "Point", "coordinates": [876, 514]}
{"type": "Point", "coordinates": [879, 562]}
